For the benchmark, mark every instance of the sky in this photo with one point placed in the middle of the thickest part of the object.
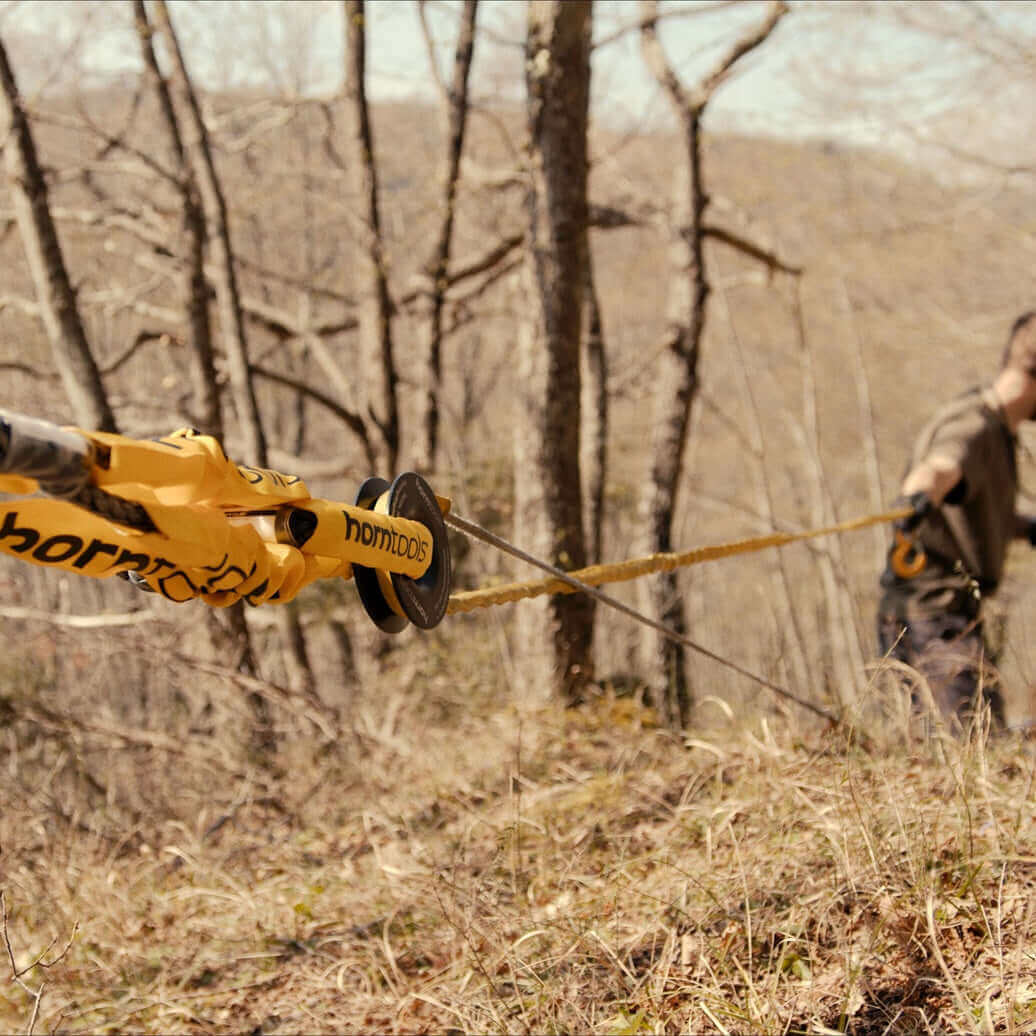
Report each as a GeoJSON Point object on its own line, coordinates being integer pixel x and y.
{"type": "Point", "coordinates": [837, 70]}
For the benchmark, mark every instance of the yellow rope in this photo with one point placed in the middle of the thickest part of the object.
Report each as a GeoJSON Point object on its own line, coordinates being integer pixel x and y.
{"type": "Point", "coordinates": [596, 575]}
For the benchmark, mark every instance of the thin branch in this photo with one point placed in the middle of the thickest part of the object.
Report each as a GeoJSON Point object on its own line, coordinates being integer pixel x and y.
{"type": "Point", "coordinates": [143, 338]}
{"type": "Point", "coordinates": [288, 281]}
{"type": "Point", "coordinates": [768, 258]}
{"type": "Point", "coordinates": [474, 266]}
{"type": "Point", "coordinates": [131, 223]}
{"type": "Point", "coordinates": [28, 307]}
{"type": "Point", "coordinates": [39, 962]}
{"type": "Point", "coordinates": [433, 64]}
{"type": "Point", "coordinates": [78, 622]}
{"type": "Point", "coordinates": [743, 46]}
{"type": "Point", "coordinates": [496, 274]}
{"type": "Point", "coordinates": [300, 703]}
{"type": "Point", "coordinates": [639, 23]}
{"type": "Point", "coordinates": [349, 417]}
{"type": "Point", "coordinates": [282, 324]}
{"type": "Point", "coordinates": [32, 372]}
{"type": "Point", "coordinates": [110, 143]}
{"type": "Point", "coordinates": [695, 101]}
{"type": "Point", "coordinates": [492, 179]}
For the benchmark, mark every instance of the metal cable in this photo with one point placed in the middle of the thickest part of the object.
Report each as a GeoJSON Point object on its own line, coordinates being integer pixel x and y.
{"type": "Point", "coordinates": [479, 533]}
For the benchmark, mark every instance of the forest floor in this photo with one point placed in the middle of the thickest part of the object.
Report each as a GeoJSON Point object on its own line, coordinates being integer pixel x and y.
{"type": "Point", "coordinates": [451, 861]}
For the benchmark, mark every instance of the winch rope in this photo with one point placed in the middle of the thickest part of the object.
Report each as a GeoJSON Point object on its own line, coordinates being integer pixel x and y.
{"type": "Point", "coordinates": [578, 580]}
{"type": "Point", "coordinates": [574, 582]}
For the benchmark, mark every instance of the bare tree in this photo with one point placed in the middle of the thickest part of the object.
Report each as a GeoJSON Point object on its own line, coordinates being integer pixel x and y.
{"type": "Point", "coordinates": [196, 146]}
{"type": "Point", "coordinates": [194, 286]}
{"type": "Point", "coordinates": [228, 296]}
{"type": "Point", "coordinates": [378, 389]}
{"type": "Point", "coordinates": [454, 107]}
{"type": "Point", "coordinates": [677, 375]}
{"type": "Point", "coordinates": [548, 489]}
{"type": "Point", "coordinates": [57, 299]}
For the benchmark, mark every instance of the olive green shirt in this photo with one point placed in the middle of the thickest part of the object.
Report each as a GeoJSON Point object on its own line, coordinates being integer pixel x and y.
{"type": "Point", "coordinates": [968, 540]}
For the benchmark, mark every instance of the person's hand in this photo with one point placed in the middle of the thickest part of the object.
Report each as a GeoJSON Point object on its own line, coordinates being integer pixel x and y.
{"type": "Point", "coordinates": [920, 505]}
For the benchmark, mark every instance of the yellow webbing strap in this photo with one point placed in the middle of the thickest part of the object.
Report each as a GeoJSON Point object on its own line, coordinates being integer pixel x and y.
{"type": "Point", "coordinates": [596, 575]}
{"type": "Point", "coordinates": [187, 484]}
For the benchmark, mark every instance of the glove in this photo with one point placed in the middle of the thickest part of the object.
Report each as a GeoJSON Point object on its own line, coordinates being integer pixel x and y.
{"type": "Point", "coordinates": [920, 505]}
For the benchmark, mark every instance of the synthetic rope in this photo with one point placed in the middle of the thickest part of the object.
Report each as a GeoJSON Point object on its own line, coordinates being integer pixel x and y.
{"type": "Point", "coordinates": [597, 575]}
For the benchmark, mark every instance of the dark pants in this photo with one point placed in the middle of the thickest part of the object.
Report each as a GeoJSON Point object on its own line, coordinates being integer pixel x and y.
{"type": "Point", "coordinates": [947, 648]}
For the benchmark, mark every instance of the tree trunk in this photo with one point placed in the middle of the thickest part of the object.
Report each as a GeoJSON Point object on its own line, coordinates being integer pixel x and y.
{"type": "Point", "coordinates": [594, 437]}
{"type": "Point", "coordinates": [196, 146]}
{"type": "Point", "coordinates": [193, 288]}
{"type": "Point", "coordinates": [379, 385]}
{"type": "Point", "coordinates": [677, 377]}
{"type": "Point", "coordinates": [548, 489]}
{"type": "Point", "coordinates": [431, 301]}
{"type": "Point", "coordinates": [677, 380]}
{"type": "Point", "coordinates": [57, 299]}
{"type": "Point", "coordinates": [228, 297]}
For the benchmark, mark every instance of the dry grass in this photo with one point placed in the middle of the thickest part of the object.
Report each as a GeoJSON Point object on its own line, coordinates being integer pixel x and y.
{"type": "Point", "coordinates": [453, 861]}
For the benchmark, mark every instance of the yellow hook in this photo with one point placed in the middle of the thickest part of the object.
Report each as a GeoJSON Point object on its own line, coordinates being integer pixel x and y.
{"type": "Point", "coordinates": [908, 557]}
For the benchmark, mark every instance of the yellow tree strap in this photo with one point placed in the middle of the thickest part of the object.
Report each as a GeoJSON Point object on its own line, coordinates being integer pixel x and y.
{"type": "Point", "coordinates": [201, 542]}
{"type": "Point", "coordinates": [596, 575]}
{"type": "Point", "coordinates": [194, 552]}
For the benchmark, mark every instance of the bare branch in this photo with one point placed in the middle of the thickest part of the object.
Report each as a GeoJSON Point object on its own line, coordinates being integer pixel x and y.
{"type": "Point", "coordinates": [479, 264]}
{"type": "Point", "coordinates": [32, 372]}
{"type": "Point", "coordinates": [78, 622]}
{"type": "Point", "coordinates": [26, 306]}
{"type": "Point", "coordinates": [770, 259]}
{"type": "Point", "coordinates": [695, 101]}
{"type": "Point", "coordinates": [116, 299]}
{"type": "Point", "coordinates": [743, 46]}
{"type": "Point", "coordinates": [433, 64]}
{"type": "Point", "coordinates": [492, 179]}
{"type": "Point", "coordinates": [350, 418]}
{"type": "Point", "coordinates": [301, 283]}
{"type": "Point", "coordinates": [639, 23]}
{"type": "Point", "coordinates": [143, 338]}
{"type": "Point", "coordinates": [133, 223]}
{"type": "Point", "coordinates": [110, 142]}
{"type": "Point", "coordinates": [284, 326]}
{"type": "Point", "coordinates": [495, 274]}
{"type": "Point", "coordinates": [39, 962]}
{"type": "Point", "coordinates": [655, 57]}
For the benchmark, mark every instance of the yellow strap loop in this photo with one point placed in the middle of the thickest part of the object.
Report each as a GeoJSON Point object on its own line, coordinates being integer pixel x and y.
{"type": "Point", "coordinates": [908, 558]}
{"type": "Point", "coordinates": [596, 575]}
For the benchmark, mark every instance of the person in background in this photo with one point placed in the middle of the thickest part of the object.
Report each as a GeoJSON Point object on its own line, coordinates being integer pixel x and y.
{"type": "Point", "coordinates": [948, 555]}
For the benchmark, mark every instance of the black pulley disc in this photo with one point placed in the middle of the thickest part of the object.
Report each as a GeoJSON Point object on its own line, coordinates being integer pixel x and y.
{"type": "Point", "coordinates": [423, 601]}
{"type": "Point", "coordinates": [367, 586]}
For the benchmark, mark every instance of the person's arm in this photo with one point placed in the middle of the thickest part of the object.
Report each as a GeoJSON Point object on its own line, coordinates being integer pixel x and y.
{"type": "Point", "coordinates": [937, 476]}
